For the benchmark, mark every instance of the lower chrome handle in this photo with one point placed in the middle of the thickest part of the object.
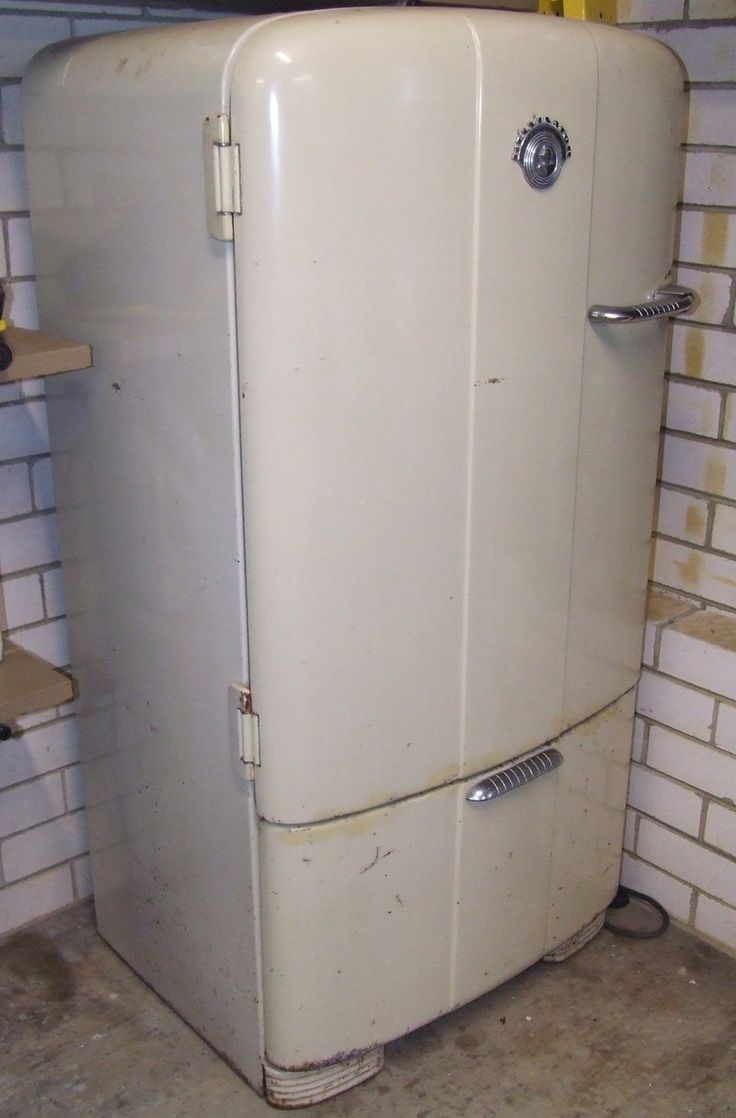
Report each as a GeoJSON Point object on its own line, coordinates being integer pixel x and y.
{"type": "Point", "coordinates": [664, 302]}
{"type": "Point", "coordinates": [514, 776]}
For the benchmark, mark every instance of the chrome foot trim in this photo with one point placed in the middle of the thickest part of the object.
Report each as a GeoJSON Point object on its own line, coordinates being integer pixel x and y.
{"type": "Point", "coordinates": [575, 942]}
{"type": "Point", "coordinates": [290, 1089]}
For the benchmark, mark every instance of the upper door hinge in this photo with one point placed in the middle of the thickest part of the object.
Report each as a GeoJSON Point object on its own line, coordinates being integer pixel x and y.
{"type": "Point", "coordinates": [244, 730]}
{"type": "Point", "coordinates": [221, 177]}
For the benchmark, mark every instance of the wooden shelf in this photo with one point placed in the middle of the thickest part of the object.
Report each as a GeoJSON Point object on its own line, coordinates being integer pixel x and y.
{"type": "Point", "coordinates": [40, 355]}
{"type": "Point", "coordinates": [29, 684]}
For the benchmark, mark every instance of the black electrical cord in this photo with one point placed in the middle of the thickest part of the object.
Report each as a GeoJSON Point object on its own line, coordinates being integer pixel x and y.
{"type": "Point", "coordinates": [621, 900]}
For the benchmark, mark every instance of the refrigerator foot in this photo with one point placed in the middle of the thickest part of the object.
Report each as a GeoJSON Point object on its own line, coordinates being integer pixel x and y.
{"type": "Point", "coordinates": [290, 1089]}
{"type": "Point", "coordinates": [575, 942]}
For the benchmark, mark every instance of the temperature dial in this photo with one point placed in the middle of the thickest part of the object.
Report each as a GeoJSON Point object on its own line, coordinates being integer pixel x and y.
{"type": "Point", "coordinates": [541, 150]}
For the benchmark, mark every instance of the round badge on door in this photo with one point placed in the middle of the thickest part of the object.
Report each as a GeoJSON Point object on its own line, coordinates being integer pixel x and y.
{"type": "Point", "coordinates": [541, 148]}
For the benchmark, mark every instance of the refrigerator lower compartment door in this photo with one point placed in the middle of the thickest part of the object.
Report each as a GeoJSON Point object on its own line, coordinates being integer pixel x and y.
{"type": "Point", "coordinates": [376, 923]}
{"type": "Point", "coordinates": [358, 926]}
{"type": "Point", "coordinates": [589, 820]}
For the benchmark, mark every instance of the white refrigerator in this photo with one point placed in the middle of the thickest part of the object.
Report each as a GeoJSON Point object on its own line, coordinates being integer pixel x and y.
{"type": "Point", "coordinates": [355, 504]}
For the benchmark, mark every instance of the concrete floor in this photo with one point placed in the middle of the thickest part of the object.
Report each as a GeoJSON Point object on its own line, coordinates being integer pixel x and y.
{"type": "Point", "coordinates": [624, 1028]}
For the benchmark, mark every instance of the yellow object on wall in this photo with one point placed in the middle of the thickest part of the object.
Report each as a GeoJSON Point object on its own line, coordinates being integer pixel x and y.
{"type": "Point", "coordinates": [600, 10]}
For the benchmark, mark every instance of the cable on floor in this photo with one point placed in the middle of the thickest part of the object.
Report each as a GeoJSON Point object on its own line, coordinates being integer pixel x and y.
{"type": "Point", "coordinates": [621, 900]}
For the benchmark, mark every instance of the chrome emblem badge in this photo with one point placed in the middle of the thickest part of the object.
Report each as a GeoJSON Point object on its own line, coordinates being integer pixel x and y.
{"type": "Point", "coordinates": [541, 148]}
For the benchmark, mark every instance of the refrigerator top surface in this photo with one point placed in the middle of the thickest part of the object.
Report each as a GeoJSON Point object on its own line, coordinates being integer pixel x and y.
{"type": "Point", "coordinates": [155, 55]}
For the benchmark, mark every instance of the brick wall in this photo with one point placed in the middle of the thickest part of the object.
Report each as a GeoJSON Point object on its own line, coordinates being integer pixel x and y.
{"type": "Point", "coordinates": [43, 843]}
{"type": "Point", "coordinates": [681, 832]}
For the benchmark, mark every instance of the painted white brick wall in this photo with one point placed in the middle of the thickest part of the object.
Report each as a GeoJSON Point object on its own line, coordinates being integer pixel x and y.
{"type": "Point", "coordinates": [710, 178]}
{"type": "Point", "coordinates": [13, 186]}
{"type": "Point", "coordinates": [698, 648]}
{"type": "Point", "coordinates": [715, 920]}
{"type": "Point", "coordinates": [15, 490]}
{"type": "Point", "coordinates": [729, 421]}
{"type": "Point", "coordinates": [714, 293]}
{"type": "Point", "coordinates": [36, 896]}
{"type": "Point", "coordinates": [709, 53]}
{"type": "Point", "coordinates": [22, 601]}
{"type": "Point", "coordinates": [726, 727]}
{"type": "Point", "coordinates": [673, 802]}
{"type": "Point", "coordinates": [705, 869]}
{"type": "Point", "coordinates": [711, 118]}
{"type": "Point", "coordinates": [669, 701]}
{"type": "Point", "coordinates": [695, 765]}
{"type": "Point", "coordinates": [699, 465]}
{"type": "Point", "coordinates": [44, 747]}
{"type": "Point", "coordinates": [694, 408]}
{"type": "Point", "coordinates": [688, 569]}
{"type": "Point", "coordinates": [675, 895]}
{"type": "Point", "coordinates": [639, 740]}
{"type": "Point", "coordinates": [33, 802]}
{"type": "Point", "coordinates": [682, 515]}
{"type": "Point", "coordinates": [708, 236]}
{"type": "Point", "coordinates": [720, 828]}
{"type": "Point", "coordinates": [681, 842]}
{"type": "Point", "coordinates": [43, 842]}
{"type": "Point", "coordinates": [706, 354]}
{"type": "Point", "coordinates": [683, 788]}
{"type": "Point", "coordinates": [38, 848]}
{"type": "Point", "coordinates": [712, 9]}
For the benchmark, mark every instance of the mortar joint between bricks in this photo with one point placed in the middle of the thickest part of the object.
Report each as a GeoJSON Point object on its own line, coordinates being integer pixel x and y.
{"type": "Point", "coordinates": [703, 813]}
{"type": "Point", "coordinates": [694, 895]}
{"type": "Point", "coordinates": [710, 517]}
{"type": "Point", "coordinates": [695, 24]}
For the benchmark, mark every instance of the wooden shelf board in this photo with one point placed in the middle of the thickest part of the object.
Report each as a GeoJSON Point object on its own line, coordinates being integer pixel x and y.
{"type": "Point", "coordinates": [29, 684]}
{"type": "Point", "coordinates": [40, 355]}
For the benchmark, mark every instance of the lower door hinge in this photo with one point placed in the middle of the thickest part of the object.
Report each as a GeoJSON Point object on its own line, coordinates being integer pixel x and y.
{"type": "Point", "coordinates": [244, 730]}
{"type": "Point", "coordinates": [221, 177]}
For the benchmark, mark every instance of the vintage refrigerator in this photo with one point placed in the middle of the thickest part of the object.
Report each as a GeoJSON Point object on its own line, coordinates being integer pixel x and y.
{"type": "Point", "coordinates": [355, 505]}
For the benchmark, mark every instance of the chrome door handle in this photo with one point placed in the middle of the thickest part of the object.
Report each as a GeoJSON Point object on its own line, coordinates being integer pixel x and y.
{"type": "Point", "coordinates": [665, 301]}
{"type": "Point", "coordinates": [514, 776]}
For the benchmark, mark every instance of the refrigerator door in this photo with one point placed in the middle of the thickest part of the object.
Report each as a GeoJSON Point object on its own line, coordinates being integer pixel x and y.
{"type": "Point", "coordinates": [639, 125]}
{"type": "Point", "coordinates": [411, 326]}
{"type": "Point", "coordinates": [530, 289]}
{"type": "Point", "coordinates": [354, 259]}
